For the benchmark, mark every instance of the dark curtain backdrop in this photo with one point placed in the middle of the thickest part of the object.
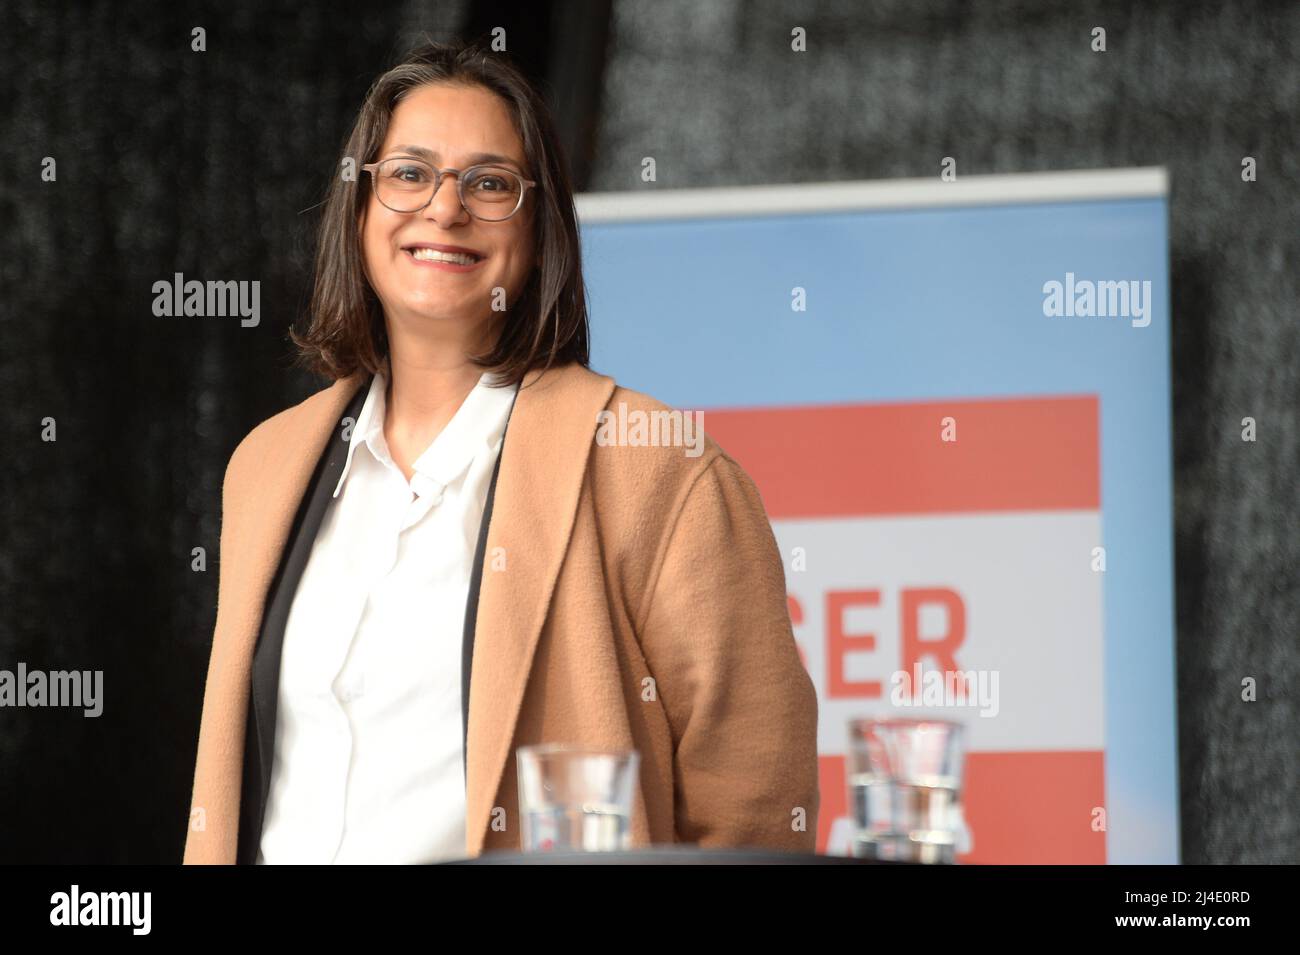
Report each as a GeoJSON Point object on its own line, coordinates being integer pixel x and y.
{"type": "Point", "coordinates": [212, 164]}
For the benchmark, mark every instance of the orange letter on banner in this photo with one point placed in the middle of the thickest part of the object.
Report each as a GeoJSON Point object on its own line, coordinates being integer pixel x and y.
{"type": "Point", "coordinates": [943, 649]}
{"type": "Point", "coordinates": [838, 643]}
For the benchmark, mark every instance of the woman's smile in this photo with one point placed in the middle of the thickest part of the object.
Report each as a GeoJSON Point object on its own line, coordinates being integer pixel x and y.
{"type": "Point", "coordinates": [448, 258]}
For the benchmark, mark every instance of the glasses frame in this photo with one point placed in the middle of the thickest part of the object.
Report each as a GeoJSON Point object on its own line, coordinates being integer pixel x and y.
{"type": "Point", "coordinates": [373, 169]}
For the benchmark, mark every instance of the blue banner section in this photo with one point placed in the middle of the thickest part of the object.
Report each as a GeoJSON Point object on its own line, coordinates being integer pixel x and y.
{"type": "Point", "coordinates": [1035, 299]}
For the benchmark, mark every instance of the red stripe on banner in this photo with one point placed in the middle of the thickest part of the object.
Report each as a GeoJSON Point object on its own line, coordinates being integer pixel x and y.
{"type": "Point", "coordinates": [1029, 454]}
{"type": "Point", "coordinates": [1022, 808]}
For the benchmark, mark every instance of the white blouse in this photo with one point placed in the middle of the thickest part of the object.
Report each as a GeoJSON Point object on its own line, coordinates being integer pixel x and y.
{"type": "Point", "coordinates": [368, 763]}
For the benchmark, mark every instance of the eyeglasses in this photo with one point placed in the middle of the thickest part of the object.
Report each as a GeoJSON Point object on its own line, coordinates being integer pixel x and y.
{"type": "Point", "coordinates": [491, 193]}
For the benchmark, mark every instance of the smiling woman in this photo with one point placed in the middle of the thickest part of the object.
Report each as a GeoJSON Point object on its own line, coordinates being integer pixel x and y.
{"type": "Point", "coordinates": [426, 298]}
{"type": "Point", "coordinates": [443, 556]}
{"type": "Point", "coordinates": [465, 107]}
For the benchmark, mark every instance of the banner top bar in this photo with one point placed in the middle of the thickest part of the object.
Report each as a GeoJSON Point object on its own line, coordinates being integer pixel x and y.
{"type": "Point", "coordinates": [1151, 182]}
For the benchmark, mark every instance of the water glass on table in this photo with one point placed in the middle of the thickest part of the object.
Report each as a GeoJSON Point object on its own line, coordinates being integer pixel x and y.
{"type": "Point", "coordinates": [576, 799]}
{"type": "Point", "coordinates": [905, 789]}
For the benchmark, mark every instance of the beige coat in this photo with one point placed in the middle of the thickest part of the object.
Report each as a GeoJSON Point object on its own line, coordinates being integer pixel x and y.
{"type": "Point", "coordinates": [641, 604]}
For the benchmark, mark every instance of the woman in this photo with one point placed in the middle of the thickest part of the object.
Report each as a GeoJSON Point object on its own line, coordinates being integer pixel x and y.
{"type": "Point", "coordinates": [434, 561]}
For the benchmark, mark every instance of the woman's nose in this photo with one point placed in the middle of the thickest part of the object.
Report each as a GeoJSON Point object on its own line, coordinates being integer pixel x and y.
{"type": "Point", "coordinates": [445, 205]}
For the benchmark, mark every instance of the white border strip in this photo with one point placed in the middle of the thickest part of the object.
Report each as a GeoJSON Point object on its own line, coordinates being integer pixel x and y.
{"type": "Point", "coordinates": [1135, 183]}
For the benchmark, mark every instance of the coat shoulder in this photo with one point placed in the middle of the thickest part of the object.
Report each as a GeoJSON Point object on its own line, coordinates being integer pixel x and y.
{"type": "Point", "coordinates": [651, 451]}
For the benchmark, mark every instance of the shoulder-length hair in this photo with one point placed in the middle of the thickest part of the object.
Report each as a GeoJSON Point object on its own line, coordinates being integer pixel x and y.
{"type": "Point", "coordinates": [545, 326]}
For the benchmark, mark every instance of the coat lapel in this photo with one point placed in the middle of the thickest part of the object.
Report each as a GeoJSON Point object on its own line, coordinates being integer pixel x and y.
{"type": "Point", "coordinates": [268, 651]}
{"type": "Point", "coordinates": [470, 626]}
{"type": "Point", "coordinates": [543, 462]}
{"type": "Point", "coordinates": [261, 493]}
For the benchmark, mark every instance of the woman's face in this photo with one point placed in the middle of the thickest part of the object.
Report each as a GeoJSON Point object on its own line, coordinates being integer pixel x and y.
{"type": "Point", "coordinates": [446, 126]}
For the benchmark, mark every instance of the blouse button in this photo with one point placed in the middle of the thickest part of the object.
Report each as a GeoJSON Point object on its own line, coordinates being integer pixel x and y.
{"type": "Point", "coordinates": [351, 689]}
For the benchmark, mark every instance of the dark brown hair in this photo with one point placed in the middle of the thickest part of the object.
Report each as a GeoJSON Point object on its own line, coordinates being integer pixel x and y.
{"type": "Point", "coordinates": [545, 326]}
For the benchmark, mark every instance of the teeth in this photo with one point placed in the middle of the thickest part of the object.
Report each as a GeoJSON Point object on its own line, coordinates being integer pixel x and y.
{"type": "Point", "coordinates": [433, 255]}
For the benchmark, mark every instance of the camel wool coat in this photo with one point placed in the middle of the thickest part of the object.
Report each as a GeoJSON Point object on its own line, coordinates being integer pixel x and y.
{"type": "Point", "coordinates": [633, 597]}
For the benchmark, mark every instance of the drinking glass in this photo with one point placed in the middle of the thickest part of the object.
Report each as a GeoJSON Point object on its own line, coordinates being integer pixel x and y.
{"type": "Point", "coordinates": [572, 798]}
{"type": "Point", "coordinates": [905, 788]}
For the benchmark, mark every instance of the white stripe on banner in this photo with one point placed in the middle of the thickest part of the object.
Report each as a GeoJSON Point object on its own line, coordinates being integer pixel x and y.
{"type": "Point", "coordinates": [1014, 598]}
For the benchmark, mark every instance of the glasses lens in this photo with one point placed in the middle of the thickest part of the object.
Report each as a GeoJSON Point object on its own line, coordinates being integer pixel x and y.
{"type": "Point", "coordinates": [492, 192]}
{"type": "Point", "coordinates": [404, 185]}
